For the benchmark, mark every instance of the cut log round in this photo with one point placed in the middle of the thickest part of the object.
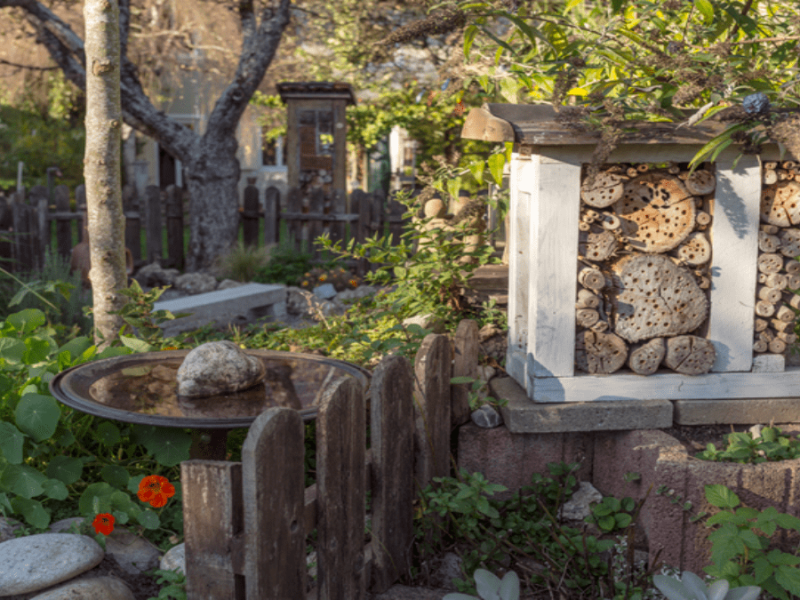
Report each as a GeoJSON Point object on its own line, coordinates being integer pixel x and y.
{"type": "Point", "coordinates": [701, 182]}
{"type": "Point", "coordinates": [762, 277]}
{"type": "Point", "coordinates": [767, 242]}
{"type": "Point", "coordinates": [782, 326]}
{"type": "Point", "coordinates": [789, 165]}
{"type": "Point", "coordinates": [765, 309]}
{"type": "Point", "coordinates": [793, 281]}
{"type": "Point", "coordinates": [788, 337]}
{"type": "Point", "coordinates": [695, 250]}
{"type": "Point", "coordinates": [673, 169]}
{"type": "Point", "coordinates": [771, 165]}
{"type": "Point", "coordinates": [587, 299]}
{"type": "Point", "coordinates": [653, 297]}
{"type": "Point", "coordinates": [606, 189]}
{"type": "Point", "coordinates": [631, 172]}
{"type": "Point", "coordinates": [778, 281]}
{"type": "Point", "coordinates": [770, 263]}
{"type": "Point", "coordinates": [656, 212]}
{"type": "Point", "coordinates": [703, 219]}
{"type": "Point", "coordinates": [703, 282]}
{"type": "Point", "coordinates": [759, 346]}
{"type": "Point", "coordinates": [646, 359]}
{"type": "Point", "coordinates": [769, 177]}
{"type": "Point", "coordinates": [766, 336]}
{"type": "Point", "coordinates": [780, 204]}
{"type": "Point", "coordinates": [600, 327]}
{"type": "Point", "coordinates": [586, 317]}
{"type": "Point", "coordinates": [792, 266]}
{"type": "Point", "coordinates": [600, 246]}
{"type": "Point", "coordinates": [790, 242]}
{"type": "Point", "coordinates": [785, 314]}
{"type": "Point", "coordinates": [690, 355]}
{"type": "Point", "coordinates": [592, 279]}
{"type": "Point", "coordinates": [783, 174]}
{"type": "Point", "coordinates": [777, 346]}
{"type": "Point", "coordinates": [600, 353]}
{"type": "Point", "coordinates": [760, 325]}
{"type": "Point", "coordinates": [584, 226]}
{"type": "Point", "coordinates": [435, 209]}
{"type": "Point", "coordinates": [792, 300]}
{"type": "Point", "coordinates": [770, 229]}
{"type": "Point", "coordinates": [771, 295]}
{"type": "Point", "coordinates": [610, 222]}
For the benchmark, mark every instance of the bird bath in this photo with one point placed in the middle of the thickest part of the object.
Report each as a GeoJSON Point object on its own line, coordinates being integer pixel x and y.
{"type": "Point", "coordinates": [142, 389]}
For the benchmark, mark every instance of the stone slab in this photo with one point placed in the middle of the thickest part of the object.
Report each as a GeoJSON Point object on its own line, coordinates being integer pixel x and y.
{"type": "Point", "coordinates": [737, 412]}
{"type": "Point", "coordinates": [522, 415]}
{"type": "Point", "coordinates": [253, 300]}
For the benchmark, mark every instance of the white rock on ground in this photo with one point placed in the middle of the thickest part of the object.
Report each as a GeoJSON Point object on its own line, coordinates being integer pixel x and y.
{"type": "Point", "coordinates": [196, 283]}
{"type": "Point", "coordinates": [361, 291]}
{"type": "Point", "coordinates": [96, 588]}
{"type": "Point", "coordinates": [427, 321]}
{"type": "Point", "coordinates": [153, 275]}
{"type": "Point", "coordinates": [174, 558]}
{"type": "Point", "coordinates": [578, 507]}
{"type": "Point", "coordinates": [487, 417]}
{"type": "Point", "coordinates": [326, 291]}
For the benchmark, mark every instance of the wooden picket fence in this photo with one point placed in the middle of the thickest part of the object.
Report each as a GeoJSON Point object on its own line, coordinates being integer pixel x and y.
{"type": "Point", "coordinates": [246, 524]}
{"type": "Point", "coordinates": [26, 222]}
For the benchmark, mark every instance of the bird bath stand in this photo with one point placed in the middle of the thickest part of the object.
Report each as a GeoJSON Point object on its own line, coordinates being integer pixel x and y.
{"type": "Point", "coordinates": [142, 389]}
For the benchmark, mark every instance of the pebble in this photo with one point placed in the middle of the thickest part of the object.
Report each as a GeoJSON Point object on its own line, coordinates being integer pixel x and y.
{"type": "Point", "coordinates": [579, 506]}
{"type": "Point", "coordinates": [487, 417]}
{"type": "Point", "coordinates": [217, 368]}
{"type": "Point", "coordinates": [326, 291]}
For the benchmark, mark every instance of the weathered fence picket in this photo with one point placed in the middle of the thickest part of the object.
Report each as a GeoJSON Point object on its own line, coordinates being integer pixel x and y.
{"type": "Point", "coordinates": [246, 523]}
{"type": "Point", "coordinates": [465, 364]}
{"type": "Point", "coordinates": [25, 240]}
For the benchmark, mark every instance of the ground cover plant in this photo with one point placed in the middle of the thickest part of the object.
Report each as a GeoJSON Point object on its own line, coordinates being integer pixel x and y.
{"type": "Point", "coordinates": [742, 447]}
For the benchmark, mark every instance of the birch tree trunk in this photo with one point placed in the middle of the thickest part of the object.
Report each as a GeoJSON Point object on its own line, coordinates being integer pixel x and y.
{"type": "Point", "coordinates": [101, 169]}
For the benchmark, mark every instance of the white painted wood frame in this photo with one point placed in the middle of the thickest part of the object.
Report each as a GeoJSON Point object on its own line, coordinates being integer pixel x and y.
{"type": "Point", "coordinates": [545, 191]}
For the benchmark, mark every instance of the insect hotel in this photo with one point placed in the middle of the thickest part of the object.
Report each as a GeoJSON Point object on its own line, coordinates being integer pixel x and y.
{"type": "Point", "coordinates": [638, 278]}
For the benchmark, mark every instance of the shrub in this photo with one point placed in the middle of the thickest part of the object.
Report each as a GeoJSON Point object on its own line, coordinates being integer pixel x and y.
{"type": "Point", "coordinates": [285, 266]}
{"type": "Point", "coordinates": [241, 263]}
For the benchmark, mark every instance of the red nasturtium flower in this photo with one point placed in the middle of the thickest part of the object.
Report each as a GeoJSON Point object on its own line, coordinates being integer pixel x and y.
{"type": "Point", "coordinates": [103, 523]}
{"type": "Point", "coordinates": [156, 490]}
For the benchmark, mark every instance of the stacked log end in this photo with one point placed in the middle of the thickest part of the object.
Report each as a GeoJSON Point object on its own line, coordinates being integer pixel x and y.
{"type": "Point", "coordinates": [651, 219]}
{"type": "Point", "coordinates": [776, 303]}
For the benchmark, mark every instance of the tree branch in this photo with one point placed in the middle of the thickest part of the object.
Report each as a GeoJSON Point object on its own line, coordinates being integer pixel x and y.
{"type": "Point", "coordinates": [248, 20]}
{"type": "Point", "coordinates": [253, 63]}
{"type": "Point", "coordinates": [30, 67]}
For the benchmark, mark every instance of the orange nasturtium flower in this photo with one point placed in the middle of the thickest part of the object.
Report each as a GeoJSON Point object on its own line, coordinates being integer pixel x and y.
{"type": "Point", "coordinates": [103, 523]}
{"type": "Point", "coordinates": [156, 490]}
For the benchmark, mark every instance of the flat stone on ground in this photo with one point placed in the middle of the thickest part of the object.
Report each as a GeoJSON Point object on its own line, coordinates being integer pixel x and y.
{"type": "Point", "coordinates": [38, 561]}
{"type": "Point", "coordinates": [96, 588]}
{"type": "Point", "coordinates": [523, 415]}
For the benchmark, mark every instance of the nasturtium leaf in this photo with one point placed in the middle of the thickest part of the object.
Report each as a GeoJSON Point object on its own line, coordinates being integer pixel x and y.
{"type": "Point", "coordinates": [66, 439]}
{"type": "Point", "coordinates": [37, 416]}
{"type": "Point", "coordinates": [55, 489]}
{"type": "Point", "coordinates": [168, 446]}
{"type": "Point", "coordinates": [4, 502]}
{"type": "Point", "coordinates": [121, 517]}
{"type": "Point", "coordinates": [149, 519]}
{"type": "Point", "coordinates": [108, 434]}
{"type": "Point", "coordinates": [11, 442]}
{"type": "Point", "coordinates": [120, 500]}
{"type": "Point", "coordinates": [26, 321]}
{"type": "Point", "coordinates": [65, 468]}
{"type": "Point", "coordinates": [32, 510]}
{"type": "Point", "coordinates": [115, 476]}
{"type": "Point", "coordinates": [22, 480]}
{"type": "Point", "coordinates": [12, 350]}
{"type": "Point", "coordinates": [133, 483]}
{"type": "Point", "coordinates": [95, 496]}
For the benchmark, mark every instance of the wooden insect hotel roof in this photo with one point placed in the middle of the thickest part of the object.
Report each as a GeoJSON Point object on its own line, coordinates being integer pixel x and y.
{"type": "Point", "coordinates": [301, 90]}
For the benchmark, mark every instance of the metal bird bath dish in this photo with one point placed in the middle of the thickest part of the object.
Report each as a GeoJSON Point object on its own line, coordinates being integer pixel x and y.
{"type": "Point", "coordinates": [142, 389]}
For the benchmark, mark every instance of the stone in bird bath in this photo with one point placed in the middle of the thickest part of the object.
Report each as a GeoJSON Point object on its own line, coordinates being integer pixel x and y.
{"type": "Point", "coordinates": [218, 368]}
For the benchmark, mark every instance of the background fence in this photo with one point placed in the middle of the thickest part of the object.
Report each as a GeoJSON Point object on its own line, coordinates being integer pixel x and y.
{"type": "Point", "coordinates": [246, 524]}
{"type": "Point", "coordinates": [155, 227]}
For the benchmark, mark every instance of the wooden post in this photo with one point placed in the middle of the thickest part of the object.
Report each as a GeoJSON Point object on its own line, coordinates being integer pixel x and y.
{"type": "Point", "coordinates": [38, 197]}
{"type": "Point", "coordinates": [22, 237]}
{"type": "Point", "coordinates": [133, 223]}
{"type": "Point", "coordinates": [43, 224]}
{"type": "Point", "coordinates": [152, 215]}
{"type": "Point", "coordinates": [360, 204]}
{"type": "Point", "coordinates": [212, 522]}
{"type": "Point", "coordinates": [432, 399]}
{"type": "Point", "coordinates": [395, 210]}
{"type": "Point", "coordinates": [64, 239]}
{"type": "Point", "coordinates": [250, 216]}
{"type": "Point", "coordinates": [295, 205]}
{"type": "Point", "coordinates": [392, 441]}
{"type": "Point", "coordinates": [338, 207]}
{"type": "Point", "coordinates": [174, 210]}
{"type": "Point", "coordinates": [272, 203]}
{"type": "Point", "coordinates": [273, 496]}
{"type": "Point", "coordinates": [465, 364]}
{"type": "Point", "coordinates": [315, 225]}
{"type": "Point", "coordinates": [341, 475]}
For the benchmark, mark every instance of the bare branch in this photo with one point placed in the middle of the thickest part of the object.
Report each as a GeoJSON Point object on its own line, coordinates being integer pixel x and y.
{"type": "Point", "coordinates": [29, 67]}
{"type": "Point", "coordinates": [248, 20]}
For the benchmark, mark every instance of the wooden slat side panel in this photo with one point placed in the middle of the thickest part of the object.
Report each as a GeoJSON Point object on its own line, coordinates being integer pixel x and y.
{"type": "Point", "coordinates": [432, 369]}
{"type": "Point", "coordinates": [153, 223]}
{"type": "Point", "coordinates": [316, 205]}
{"type": "Point", "coordinates": [734, 255]}
{"type": "Point", "coordinates": [272, 203]}
{"type": "Point", "coordinates": [555, 212]}
{"type": "Point", "coordinates": [250, 211]}
{"type": "Point", "coordinates": [465, 364]}
{"type": "Point", "coordinates": [392, 439]}
{"type": "Point", "coordinates": [523, 180]}
{"type": "Point", "coordinates": [341, 481]}
{"type": "Point", "coordinates": [174, 217]}
{"type": "Point", "coordinates": [274, 508]}
{"type": "Point", "coordinates": [212, 517]}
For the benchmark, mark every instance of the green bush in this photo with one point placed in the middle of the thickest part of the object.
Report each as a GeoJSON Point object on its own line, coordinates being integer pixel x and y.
{"type": "Point", "coordinates": [772, 445]}
{"type": "Point", "coordinates": [285, 266]}
{"type": "Point", "coordinates": [241, 263]}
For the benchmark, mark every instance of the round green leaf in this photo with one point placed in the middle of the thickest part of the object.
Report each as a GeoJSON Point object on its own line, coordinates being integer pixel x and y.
{"type": "Point", "coordinates": [11, 442]}
{"type": "Point", "coordinates": [12, 350]}
{"type": "Point", "coordinates": [32, 510]}
{"type": "Point", "coordinates": [22, 480]}
{"type": "Point", "coordinates": [37, 416]}
{"type": "Point", "coordinates": [66, 439]}
{"type": "Point", "coordinates": [169, 447]}
{"type": "Point", "coordinates": [65, 468]}
{"type": "Point", "coordinates": [149, 519]}
{"type": "Point", "coordinates": [108, 434]}
{"type": "Point", "coordinates": [133, 483]}
{"type": "Point", "coordinates": [96, 493]}
{"type": "Point", "coordinates": [628, 504]}
{"type": "Point", "coordinates": [55, 489]}
{"type": "Point", "coordinates": [26, 321]}
{"type": "Point", "coordinates": [115, 476]}
{"type": "Point", "coordinates": [606, 523]}
{"type": "Point", "coordinates": [623, 520]}
{"type": "Point", "coordinates": [121, 517]}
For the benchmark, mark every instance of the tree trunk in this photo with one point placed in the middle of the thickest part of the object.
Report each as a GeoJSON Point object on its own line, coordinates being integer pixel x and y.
{"type": "Point", "coordinates": [213, 177]}
{"type": "Point", "coordinates": [102, 166]}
